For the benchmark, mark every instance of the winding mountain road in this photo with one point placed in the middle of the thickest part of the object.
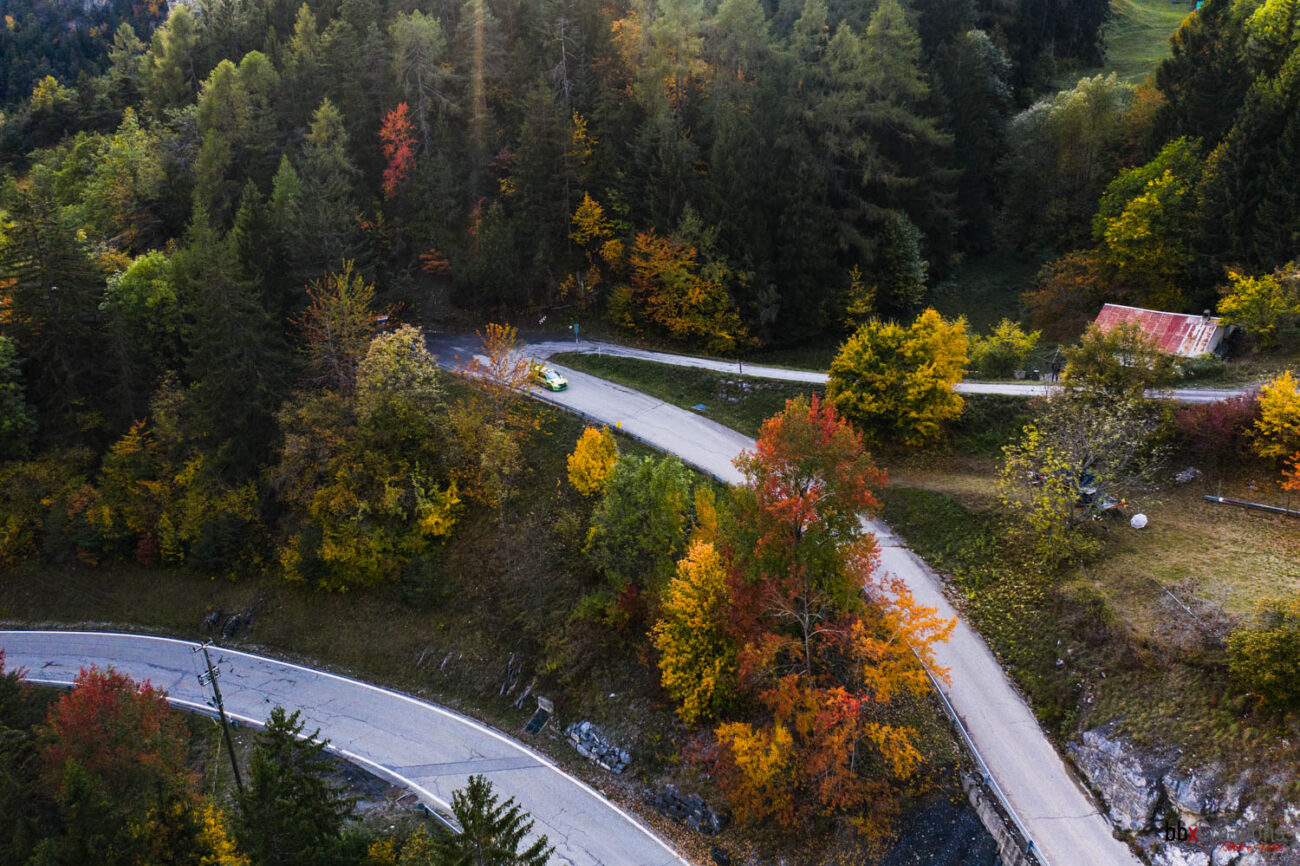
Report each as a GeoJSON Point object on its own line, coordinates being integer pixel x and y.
{"type": "Point", "coordinates": [1059, 815]}
{"type": "Point", "coordinates": [433, 750]}
{"type": "Point", "coordinates": [421, 746]}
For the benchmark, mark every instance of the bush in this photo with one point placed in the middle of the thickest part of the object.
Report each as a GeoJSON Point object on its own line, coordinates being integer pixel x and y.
{"type": "Point", "coordinates": [1218, 431]}
{"type": "Point", "coordinates": [1266, 658]}
{"type": "Point", "coordinates": [1202, 368]}
{"type": "Point", "coordinates": [1004, 351]}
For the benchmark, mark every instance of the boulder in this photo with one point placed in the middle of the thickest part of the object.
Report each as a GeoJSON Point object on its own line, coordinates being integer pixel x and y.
{"type": "Point", "coordinates": [1129, 780]}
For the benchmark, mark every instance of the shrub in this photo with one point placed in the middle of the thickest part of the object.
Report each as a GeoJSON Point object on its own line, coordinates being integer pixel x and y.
{"type": "Point", "coordinates": [1202, 368]}
{"type": "Point", "coordinates": [1218, 431]}
{"type": "Point", "coordinates": [1266, 658]}
{"type": "Point", "coordinates": [1004, 351]}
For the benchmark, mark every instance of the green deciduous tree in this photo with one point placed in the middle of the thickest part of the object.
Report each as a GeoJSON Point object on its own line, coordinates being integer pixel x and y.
{"type": "Point", "coordinates": [1121, 361]}
{"type": "Point", "coordinates": [1006, 349]}
{"type": "Point", "coordinates": [1079, 449]}
{"type": "Point", "coordinates": [895, 382]}
{"type": "Point", "coordinates": [638, 528]}
{"type": "Point", "coordinates": [1062, 151]}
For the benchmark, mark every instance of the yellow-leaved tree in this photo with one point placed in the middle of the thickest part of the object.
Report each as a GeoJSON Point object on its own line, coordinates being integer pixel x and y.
{"type": "Point", "coordinates": [1267, 307]}
{"type": "Point", "coordinates": [697, 660]}
{"type": "Point", "coordinates": [760, 775]}
{"type": "Point", "coordinates": [896, 383]}
{"type": "Point", "coordinates": [1277, 430]}
{"type": "Point", "coordinates": [592, 461]}
{"type": "Point", "coordinates": [215, 836]}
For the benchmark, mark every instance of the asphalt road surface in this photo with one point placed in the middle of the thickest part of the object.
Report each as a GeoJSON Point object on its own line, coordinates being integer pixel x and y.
{"type": "Point", "coordinates": [433, 750]}
{"type": "Point", "coordinates": [426, 748]}
{"type": "Point", "coordinates": [1060, 816]}
{"type": "Point", "coordinates": [760, 371]}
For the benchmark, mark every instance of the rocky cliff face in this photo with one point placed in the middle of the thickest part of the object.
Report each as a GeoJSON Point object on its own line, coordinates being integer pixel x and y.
{"type": "Point", "coordinates": [1151, 795]}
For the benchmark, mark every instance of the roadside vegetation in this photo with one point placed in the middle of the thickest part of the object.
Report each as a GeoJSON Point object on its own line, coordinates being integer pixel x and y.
{"type": "Point", "coordinates": [224, 226]}
{"type": "Point", "coordinates": [109, 773]}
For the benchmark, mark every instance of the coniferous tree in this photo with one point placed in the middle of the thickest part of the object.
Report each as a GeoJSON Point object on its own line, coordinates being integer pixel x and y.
{"type": "Point", "coordinates": [493, 833]}
{"type": "Point", "coordinates": [291, 815]}
{"type": "Point", "coordinates": [52, 312]}
{"type": "Point", "coordinates": [238, 361]}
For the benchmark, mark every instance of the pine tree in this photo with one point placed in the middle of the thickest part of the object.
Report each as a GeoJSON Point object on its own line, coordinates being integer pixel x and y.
{"type": "Point", "coordinates": [291, 815]}
{"type": "Point", "coordinates": [238, 360]}
{"type": "Point", "coordinates": [52, 313]}
{"type": "Point", "coordinates": [493, 832]}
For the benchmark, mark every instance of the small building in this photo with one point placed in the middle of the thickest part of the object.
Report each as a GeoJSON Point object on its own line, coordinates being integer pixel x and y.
{"type": "Point", "coordinates": [1180, 334]}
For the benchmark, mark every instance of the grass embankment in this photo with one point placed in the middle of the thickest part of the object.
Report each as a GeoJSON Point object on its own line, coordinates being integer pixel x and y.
{"type": "Point", "coordinates": [1135, 634]}
{"type": "Point", "coordinates": [740, 402]}
{"type": "Point", "coordinates": [1137, 38]}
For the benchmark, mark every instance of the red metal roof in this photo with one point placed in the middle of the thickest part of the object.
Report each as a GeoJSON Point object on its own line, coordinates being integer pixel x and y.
{"type": "Point", "coordinates": [1173, 333]}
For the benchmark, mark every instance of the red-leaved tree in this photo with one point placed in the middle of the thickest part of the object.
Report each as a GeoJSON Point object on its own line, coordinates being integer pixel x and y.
{"type": "Point", "coordinates": [114, 757]}
{"type": "Point", "coordinates": [825, 644]}
{"type": "Point", "coordinates": [399, 148]}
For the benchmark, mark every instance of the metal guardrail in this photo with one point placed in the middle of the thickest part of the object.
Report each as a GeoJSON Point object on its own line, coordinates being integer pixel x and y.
{"type": "Point", "coordinates": [985, 773]}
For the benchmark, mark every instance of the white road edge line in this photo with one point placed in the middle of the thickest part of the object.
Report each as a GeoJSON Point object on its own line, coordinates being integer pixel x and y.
{"type": "Point", "coordinates": [416, 701]}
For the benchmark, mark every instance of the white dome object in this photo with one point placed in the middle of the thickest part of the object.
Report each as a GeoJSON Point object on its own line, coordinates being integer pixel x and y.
{"type": "Point", "coordinates": [1138, 521]}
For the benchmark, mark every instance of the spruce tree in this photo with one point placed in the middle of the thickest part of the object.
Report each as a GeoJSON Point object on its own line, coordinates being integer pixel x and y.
{"type": "Point", "coordinates": [492, 832]}
{"type": "Point", "coordinates": [290, 814]}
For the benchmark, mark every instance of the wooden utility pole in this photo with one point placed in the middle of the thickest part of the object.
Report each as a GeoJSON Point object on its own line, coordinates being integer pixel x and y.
{"type": "Point", "coordinates": [210, 678]}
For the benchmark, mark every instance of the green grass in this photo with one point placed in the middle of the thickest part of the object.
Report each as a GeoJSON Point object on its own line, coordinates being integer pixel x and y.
{"type": "Point", "coordinates": [1129, 651]}
{"type": "Point", "coordinates": [1137, 38]}
{"type": "Point", "coordinates": [739, 402]}
{"type": "Point", "coordinates": [987, 290]}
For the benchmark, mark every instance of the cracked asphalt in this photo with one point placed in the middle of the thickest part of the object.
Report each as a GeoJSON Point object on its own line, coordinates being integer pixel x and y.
{"type": "Point", "coordinates": [1059, 814]}
{"type": "Point", "coordinates": [413, 743]}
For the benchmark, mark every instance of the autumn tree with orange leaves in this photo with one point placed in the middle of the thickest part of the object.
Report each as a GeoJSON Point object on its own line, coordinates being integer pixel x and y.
{"type": "Point", "coordinates": [398, 140]}
{"type": "Point", "coordinates": [115, 759]}
{"type": "Point", "coordinates": [824, 646]}
{"type": "Point", "coordinates": [671, 294]}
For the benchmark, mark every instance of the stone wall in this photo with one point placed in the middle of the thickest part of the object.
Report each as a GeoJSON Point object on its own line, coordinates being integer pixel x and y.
{"type": "Point", "coordinates": [1011, 847]}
